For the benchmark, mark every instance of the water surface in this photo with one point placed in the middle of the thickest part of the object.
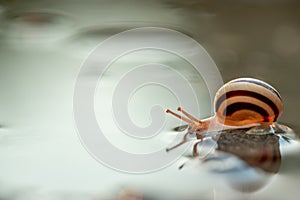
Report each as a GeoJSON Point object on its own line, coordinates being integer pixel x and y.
{"type": "Point", "coordinates": [42, 47]}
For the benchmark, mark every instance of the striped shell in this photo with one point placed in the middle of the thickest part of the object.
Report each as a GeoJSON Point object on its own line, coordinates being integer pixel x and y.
{"type": "Point", "coordinates": [246, 101]}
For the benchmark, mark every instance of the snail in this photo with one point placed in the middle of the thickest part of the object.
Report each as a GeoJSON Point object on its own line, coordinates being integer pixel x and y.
{"type": "Point", "coordinates": [240, 103]}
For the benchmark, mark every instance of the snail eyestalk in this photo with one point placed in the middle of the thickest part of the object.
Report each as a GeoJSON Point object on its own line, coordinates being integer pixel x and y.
{"type": "Point", "coordinates": [194, 119]}
{"type": "Point", "coordinates": [180, 117]}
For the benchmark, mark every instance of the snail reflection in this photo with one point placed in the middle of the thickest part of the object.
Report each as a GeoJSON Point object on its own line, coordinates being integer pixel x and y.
{"type": "Point", "coordinates": [242, 135]}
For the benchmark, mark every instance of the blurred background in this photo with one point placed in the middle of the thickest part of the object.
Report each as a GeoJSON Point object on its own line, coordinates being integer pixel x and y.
{"type": "Point", "coordinates": [42, 46]}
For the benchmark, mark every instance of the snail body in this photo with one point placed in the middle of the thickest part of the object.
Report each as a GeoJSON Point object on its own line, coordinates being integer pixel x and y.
{"type": "Point", "coordinates": [240, 103]}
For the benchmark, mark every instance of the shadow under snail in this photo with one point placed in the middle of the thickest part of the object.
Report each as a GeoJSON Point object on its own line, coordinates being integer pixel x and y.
{"type": "Point", "coordinates": [241, 104]}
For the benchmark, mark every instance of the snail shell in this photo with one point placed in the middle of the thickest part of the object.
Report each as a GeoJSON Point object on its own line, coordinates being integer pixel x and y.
{"type": "Point", "coordinates": [245, 101]}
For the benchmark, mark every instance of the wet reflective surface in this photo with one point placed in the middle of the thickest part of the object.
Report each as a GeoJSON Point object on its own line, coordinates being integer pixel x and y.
{"type": "Point", "coordinates": [42, 47]}
{"type": "Point", "coordinates": [248, 157]}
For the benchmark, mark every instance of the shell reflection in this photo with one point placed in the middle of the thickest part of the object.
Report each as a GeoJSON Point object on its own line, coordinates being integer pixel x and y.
{"type": "Point", "coordinates": [247, 158]}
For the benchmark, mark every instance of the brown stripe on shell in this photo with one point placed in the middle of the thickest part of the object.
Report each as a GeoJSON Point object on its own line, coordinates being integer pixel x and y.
{"type": "Point", "coordinates": [257, 82]}
{"type": "Point", "coordinates": [244, 93]}
{"type": "Point", "coordinates": [243, 116]}
{"type": "Point", "coordinates": [236, 107]}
